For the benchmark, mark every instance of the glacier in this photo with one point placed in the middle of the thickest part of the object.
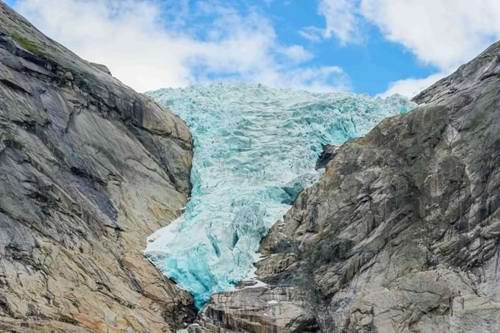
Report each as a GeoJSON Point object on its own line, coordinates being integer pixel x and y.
{"type": "Point", "coordinates": [255, 149]}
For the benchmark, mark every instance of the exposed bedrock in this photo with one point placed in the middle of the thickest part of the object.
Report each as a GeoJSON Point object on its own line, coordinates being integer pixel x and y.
{"type": "Point", "coordinates": [88, 169]}
{"type": "Point", "coordinates": [401, 234]}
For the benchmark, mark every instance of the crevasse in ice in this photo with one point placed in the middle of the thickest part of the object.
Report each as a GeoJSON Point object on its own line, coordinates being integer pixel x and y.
{"type": "Point", "coordinates": [255, 149]}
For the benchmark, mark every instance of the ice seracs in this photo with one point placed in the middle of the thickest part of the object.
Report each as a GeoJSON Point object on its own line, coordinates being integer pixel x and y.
{"type": "Point", "coordinates": [255, 149]}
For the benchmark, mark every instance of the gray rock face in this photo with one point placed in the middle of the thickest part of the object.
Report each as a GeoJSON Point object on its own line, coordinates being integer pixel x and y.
{"type": "Point", "coordinates": [88, 169]}
{"type": "Point", "coordinates": [402, 232]}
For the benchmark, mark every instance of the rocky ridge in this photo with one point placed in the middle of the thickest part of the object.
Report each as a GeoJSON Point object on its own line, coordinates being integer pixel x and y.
{"type": "Point", "coordinates": [402, 232]}
{"type": "Point", "coordinates": [88, 169]}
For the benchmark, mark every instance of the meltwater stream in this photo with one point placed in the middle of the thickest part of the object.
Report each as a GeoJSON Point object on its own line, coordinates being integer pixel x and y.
{"type": "Point", "coordinates": [255, 149]}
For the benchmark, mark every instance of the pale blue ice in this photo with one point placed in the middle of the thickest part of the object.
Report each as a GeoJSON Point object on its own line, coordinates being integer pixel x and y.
{"type": "Point", "coordinates": [255, 148]}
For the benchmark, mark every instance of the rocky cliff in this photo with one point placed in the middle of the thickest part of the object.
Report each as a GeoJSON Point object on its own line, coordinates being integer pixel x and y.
{"type": "Point", "coordinates": [402, 232]}
{"type": "Point", "coordinates": [88, 169]}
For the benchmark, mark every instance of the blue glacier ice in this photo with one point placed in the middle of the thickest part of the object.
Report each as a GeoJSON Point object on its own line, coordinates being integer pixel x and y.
{"type": "Point", "coordinates": [255, 148]}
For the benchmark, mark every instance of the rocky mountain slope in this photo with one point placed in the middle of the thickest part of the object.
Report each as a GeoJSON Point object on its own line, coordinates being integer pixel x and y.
{"type": "Point", "coordinates": [402, 232]}
{"type": "Point", "coordinates": [88, 169]}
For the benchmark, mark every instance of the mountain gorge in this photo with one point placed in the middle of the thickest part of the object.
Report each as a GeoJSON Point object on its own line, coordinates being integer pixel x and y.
{"type": "Point", "coordinates": [396, 230]}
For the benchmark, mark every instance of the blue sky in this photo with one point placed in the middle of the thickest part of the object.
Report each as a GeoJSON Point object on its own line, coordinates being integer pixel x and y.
{"type": "Point", "coordinates": [371, 65]}
{"type": "Point", "coordinates": [364, 46]}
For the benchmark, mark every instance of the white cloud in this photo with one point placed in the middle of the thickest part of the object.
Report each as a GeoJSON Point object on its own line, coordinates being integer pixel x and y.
{"type": "Point", "coordinates": [148, 48]}
{"type": "Point", "coordinates": [316, 79]}
{"type": "Point", "coordinates": [340, 21]}
{"type": "Point", "coordinates": [297, 53]}
{"type": "Point", "coordinates": [412, 86]}
{"type": "Point", "coordinates": [313, 34]}
{"type": "Point", "coordinates": [443, 33]}
{"type": "Point", "coordinates": [320, 79]}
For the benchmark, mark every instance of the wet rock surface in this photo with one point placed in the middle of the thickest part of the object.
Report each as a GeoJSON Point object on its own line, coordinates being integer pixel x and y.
{"type": "Point", "coordinates": [401, 234]}
{"type": "Point", "coordinates": [88, 169]}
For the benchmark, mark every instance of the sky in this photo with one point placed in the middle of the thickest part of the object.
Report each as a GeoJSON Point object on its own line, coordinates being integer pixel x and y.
{"type": "Point", "coordinates": [375, 47]}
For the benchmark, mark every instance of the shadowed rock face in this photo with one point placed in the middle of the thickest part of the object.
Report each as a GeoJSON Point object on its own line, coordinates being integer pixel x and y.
{"type": "Point", "coordinates": [326, 156]}
{"type": "Point", "coordinates": [88, 169]}
{"type": "Point", "coordinates": [401, 234]}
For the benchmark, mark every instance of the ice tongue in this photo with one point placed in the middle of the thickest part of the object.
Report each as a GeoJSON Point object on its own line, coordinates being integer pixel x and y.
{"type": "Point", "coordinates": [255, 149]}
